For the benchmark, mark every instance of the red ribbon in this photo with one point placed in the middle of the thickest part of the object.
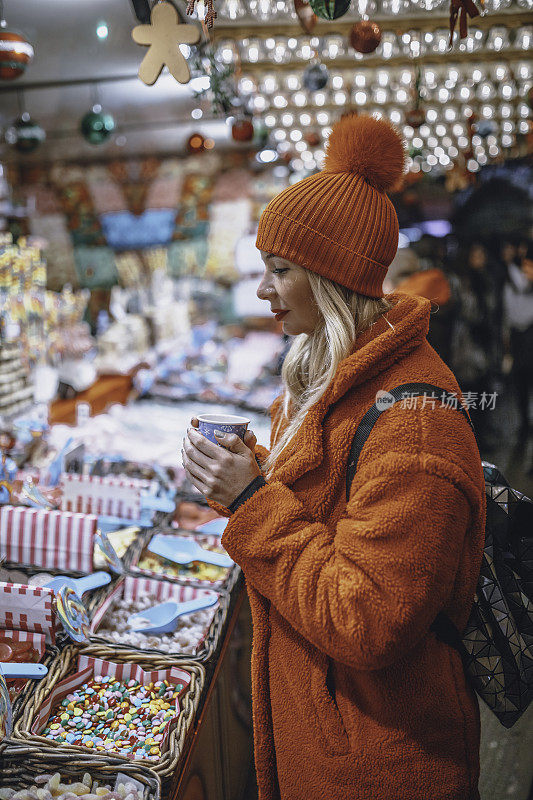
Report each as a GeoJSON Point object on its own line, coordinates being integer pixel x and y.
{"type": "Point", "coordinates": [462, 9]}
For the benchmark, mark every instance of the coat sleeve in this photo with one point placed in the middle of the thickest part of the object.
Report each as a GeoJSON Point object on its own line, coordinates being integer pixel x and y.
{"type": "Point", "coordinates": [366, 591]}
{"type": "Point", "coordinates": [260, 454]}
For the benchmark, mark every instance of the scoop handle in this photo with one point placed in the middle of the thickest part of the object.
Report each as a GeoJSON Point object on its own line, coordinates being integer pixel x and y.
{"type": "Point", "coordinates": [217, 559]}
{"type": "Point", "coordinates": [190, 606]}
{"type": "Point", "coordinates": [93, 581]}
{"type": "Point", "coordinates": [12, 669]}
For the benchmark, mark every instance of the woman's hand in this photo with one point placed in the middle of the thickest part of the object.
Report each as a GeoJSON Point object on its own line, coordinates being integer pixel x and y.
{"type": "Point", "coordinates": [219, 473]}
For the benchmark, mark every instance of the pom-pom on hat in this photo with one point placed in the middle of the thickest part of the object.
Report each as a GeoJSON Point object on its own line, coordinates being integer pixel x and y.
{"type": "Point", "coordinates": [339, 222]}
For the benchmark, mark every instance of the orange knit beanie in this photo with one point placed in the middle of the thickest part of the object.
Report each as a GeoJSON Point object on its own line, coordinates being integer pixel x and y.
{"type": "Point", "coordinates": [339, 222]}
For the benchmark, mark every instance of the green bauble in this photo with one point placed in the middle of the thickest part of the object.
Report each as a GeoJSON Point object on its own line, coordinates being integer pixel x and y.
{"type": "Point", "coordinates": [25, 135]}
{"type": "Point", "coordinates": [97, 127]}
{"type": "Point", "coordinates": [330, 9]}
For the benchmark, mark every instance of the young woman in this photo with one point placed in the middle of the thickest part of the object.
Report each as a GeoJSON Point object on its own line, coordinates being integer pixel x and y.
{"type": "Point", "coordinates": [354, 698]}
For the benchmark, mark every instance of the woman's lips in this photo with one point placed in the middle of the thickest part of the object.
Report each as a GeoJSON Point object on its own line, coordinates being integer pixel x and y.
{"type": "Point", "coordinates": [281, 315]}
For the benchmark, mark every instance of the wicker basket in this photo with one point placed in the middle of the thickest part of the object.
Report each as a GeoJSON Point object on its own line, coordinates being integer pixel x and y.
{"type": "Point", "coordinates": [65, 664]}
{"type": "Point", "coordinates": [19, 765]}
{"type": "Point", "coordinates": [98, 644]}
{"type": "Point", "coordinates": [143, 540]}
{"type": "Point", "coordinates": [50, 654]}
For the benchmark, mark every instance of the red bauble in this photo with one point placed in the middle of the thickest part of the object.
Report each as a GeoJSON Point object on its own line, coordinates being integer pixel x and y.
{"type": "Point", "coordinates": [15, 55]}
{"type": "Point", "coordinates": [195, 143]}
{"type": "Point", "coordinates": [415, 117]}
{"type": "Point", "coordinates": [365, 36]}
{"type": "Point", "coordinates": [242, 130]}
{"type": "Point", "coordinates": [312, 138]}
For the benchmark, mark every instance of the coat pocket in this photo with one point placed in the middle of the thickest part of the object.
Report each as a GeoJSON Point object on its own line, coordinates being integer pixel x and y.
{"type": "Point", "coordinates": [327, 714]}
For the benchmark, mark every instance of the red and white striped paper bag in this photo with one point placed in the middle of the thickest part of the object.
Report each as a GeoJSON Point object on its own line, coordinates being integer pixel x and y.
{"type": "Point", "coordinates": [28, 608]}
{"type": "Point", "coordinates": [130, 588]}
{"type": "Point", "coordinates": [60, 539]}
{"type": "Point", "coordinates": [111, 495]}
{"type": "Point", "coordinates": [37, 640]}
{"type": "Point", "coordinates": [89, 667]}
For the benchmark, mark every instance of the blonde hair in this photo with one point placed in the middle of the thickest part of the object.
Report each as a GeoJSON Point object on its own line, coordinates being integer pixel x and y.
{"type": "Point", "coordinates": [312, 360]}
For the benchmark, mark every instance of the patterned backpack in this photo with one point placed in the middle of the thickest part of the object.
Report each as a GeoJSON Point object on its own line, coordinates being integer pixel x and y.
{"type": "Point", "coordinates": [497, 644]}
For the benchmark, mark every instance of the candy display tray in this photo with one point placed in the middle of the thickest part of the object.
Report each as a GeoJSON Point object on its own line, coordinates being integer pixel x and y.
{"type": "Point", "coordinates": [20, 764]}
{"type": "Point", "coordinates": [130, 586]}
{"type": "Point", "coordinates": [224, 584]}
{"type": "Point", "coordinates": [65, 666]}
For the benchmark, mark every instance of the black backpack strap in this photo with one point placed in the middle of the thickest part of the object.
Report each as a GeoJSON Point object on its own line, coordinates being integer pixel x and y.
{"type": "Point", "coordinates": [372, 415]}
{"type": "Point", "coordinates": [445, 630]}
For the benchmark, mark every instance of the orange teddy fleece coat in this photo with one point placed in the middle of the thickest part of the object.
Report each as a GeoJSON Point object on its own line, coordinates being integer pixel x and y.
{"type": "Point", "coordinates": [353, 697]}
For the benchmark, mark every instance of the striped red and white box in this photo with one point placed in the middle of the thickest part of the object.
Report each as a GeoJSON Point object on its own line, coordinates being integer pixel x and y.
{"type": "Point", "coordinates": [28, 608]}
{"type": "Point", "coordinates": [110, 495]}
{"type": "Point", "coordinates": [89, 667]}
{"type": "Point", "coordinates": [37, 640]}
{"type": "Point", "coordinates": [204, 540]}
{"type": "Point", "coordinates": [130, 588]}
{"type": "Point", "coordinates": [41, 538]}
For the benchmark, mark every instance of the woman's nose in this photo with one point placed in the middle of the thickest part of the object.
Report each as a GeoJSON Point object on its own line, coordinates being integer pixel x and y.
{"type": "Point", "coordinates": [264, 291]}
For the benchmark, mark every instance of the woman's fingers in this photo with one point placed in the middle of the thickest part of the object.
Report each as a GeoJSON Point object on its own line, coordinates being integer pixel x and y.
{"type": "Point", "coordinates": [193, 467]}
{"type": "Point", "coordinates": [194, 422]}
{"type": "Point", "coordinates": [195, 438]}
{"type": "Point", "coordinates": [196, 456]}
{"type": "Point", "coordinates": [250, 440]}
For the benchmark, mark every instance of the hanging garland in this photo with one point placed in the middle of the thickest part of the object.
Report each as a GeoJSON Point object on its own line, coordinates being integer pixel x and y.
{"type": "Point", "coordinates": [222, 88]}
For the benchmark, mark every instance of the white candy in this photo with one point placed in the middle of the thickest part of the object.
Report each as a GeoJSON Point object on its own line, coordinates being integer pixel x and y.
{"type": "Point", "coordinates": [186, 638]}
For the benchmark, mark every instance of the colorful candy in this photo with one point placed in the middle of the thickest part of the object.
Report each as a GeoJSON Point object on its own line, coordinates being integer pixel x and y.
{"type": "Point", "coordinates": [109, 716]}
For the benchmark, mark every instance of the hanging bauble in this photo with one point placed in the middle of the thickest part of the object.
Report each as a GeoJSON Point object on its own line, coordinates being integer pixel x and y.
{"type": "Point", "coordinates": [306, 17]}
{"type": "Point", "coordinates": [312, 138]}
{"type": "Point", "coordinates": [485, 127]}
{"type": "Point", "coordinates": [96, 126]}
{"type": "Point", "coordinates": [315, 77]}
{"type": "Point", "coordinates": [365, 36]}
{"type": "Point", "coordinates": [242, 130]}
{"type": "Point", "coordinates": [330, 9]}
{"type": "Point", "coordinates": [15, 55]}
{"type": "Point", "coordinates": [195, 143]}
{"type": "Point", "coordinates": [25, 135]}
{"type": "Point", "coordinates": [415, 117]}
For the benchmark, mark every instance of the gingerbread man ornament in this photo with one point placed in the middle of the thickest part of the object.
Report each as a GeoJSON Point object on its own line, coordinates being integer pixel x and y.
{"type": "Point", "coordinates": [164, 35]}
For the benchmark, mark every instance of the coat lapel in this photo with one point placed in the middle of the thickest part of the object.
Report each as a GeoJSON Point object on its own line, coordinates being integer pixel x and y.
{"type": "Point", "coordinates": [375, 350]}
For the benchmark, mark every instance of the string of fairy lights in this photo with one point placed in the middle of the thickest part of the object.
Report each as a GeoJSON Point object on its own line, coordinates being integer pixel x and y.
{"type": "Point", "coordinates": [493, 86]}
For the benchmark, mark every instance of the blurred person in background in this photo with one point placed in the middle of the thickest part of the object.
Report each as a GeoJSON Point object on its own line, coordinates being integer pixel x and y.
{"type": "Point", "coordinates": [474, 349]}
{"type": "Point", "coordinates": [518, 321]}
{"type": "Point", "coordinates": [408, 274]}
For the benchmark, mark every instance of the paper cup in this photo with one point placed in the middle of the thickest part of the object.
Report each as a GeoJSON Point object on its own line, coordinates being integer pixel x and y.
{"type": "Point", "coordinates": [228, 423]}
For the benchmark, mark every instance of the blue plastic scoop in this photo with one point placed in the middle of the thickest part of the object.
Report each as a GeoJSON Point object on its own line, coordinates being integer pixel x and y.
{"type": "Point", "coordinates": [12, 669]}
{"type": "Point", "coordinates": [163, 618]}
{"type": "Point", "coordinates": [185, 551]}
{"type": "Point", "coordinates": [80, 585]}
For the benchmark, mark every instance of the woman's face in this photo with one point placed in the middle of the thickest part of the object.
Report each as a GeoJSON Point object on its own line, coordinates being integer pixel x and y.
{"type": "Point", "coordinates": [286, 287]}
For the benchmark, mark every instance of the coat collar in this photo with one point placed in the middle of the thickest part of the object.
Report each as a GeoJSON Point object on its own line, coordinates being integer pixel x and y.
{"type": "Point", "coordinates": [375, 350]}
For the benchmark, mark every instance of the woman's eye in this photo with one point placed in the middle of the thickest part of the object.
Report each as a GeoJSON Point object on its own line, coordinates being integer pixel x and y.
{"type": "Point", "coordinates": [280, 270]}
